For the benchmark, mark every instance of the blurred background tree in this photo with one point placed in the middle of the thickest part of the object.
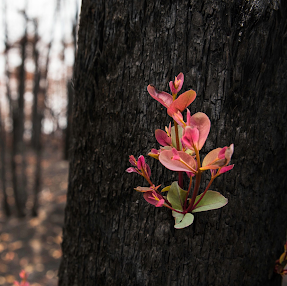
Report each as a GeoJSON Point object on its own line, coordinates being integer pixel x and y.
{"type": "Point", "coordinates": [36, 97]}
{"type": "Point", "coordinates": [38, 42]}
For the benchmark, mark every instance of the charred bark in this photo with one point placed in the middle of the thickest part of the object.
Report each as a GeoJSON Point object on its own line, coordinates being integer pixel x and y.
{"type": "Point", "coordinates": [234, 54]}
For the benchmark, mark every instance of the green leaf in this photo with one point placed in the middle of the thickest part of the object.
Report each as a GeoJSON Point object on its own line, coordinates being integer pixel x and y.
{"type": "Point", "coordinates": [189, 152]}
{"type": "Point", "coordinates": [166, 189]}
{"type": "Point", "coordinates": [186, 221]}
{"type": "Point", "coordinates": [173, 136]}
{"type": "Point", "coordinates": [211, 201]}
{"type": "Point", "coordinates": [176, 196]}
{"type": "Point", "coordinates": [177, 216]}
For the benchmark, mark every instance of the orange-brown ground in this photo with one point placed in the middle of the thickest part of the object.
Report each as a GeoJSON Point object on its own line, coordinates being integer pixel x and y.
{"type": "Point", "coordinates": [34, 244]}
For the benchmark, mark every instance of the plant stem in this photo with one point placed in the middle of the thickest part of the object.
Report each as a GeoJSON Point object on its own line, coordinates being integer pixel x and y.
{"type": "Point", "coordinates": [195, 191]}
{"type": "Point", "coordinates": [145, 175]}
{"type": "Point", "coordinates": [189, 188]}
{"type": "Point", "coordinates": [176, 135]}
{"type": "Point", "coordinates": [202, 195]}
{"type": "Point", "coordinates": [197, 181]}
{"type": "Point", "coordinates": [172, 209]}
{"type": "Point", "coordinates": [180, 174]}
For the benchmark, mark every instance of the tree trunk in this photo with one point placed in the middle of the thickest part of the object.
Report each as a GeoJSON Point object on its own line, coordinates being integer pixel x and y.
{"type": "Point", "coordinates": [36, 125]}
{"type": "Point", "coordinates": [234, 54]}
{"type": "Point", "coordinates": [4, 168]}
{"type": "Point", "coordinates": [5, 204]}
{"type": "Point", "coordinates": [18, 156]}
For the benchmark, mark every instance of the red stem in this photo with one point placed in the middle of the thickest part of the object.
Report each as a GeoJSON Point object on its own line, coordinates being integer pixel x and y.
{"type": "Point", "coordinates": [195, 191]}
{"type": "Point", "coordinates": [173, 209]}
{"type": "Point", "coordinates": [180, 174]}
{"type": "Point", "coordinates": [202, 195]}
{"type": "Point", "coordinates": [189, 188]}
{"type": "Point", "coordinates": [197, 181]}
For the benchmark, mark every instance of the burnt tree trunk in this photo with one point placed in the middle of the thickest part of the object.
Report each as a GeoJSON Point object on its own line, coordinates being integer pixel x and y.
{"type": "Point", "coordinates": [18, 156]}
{"type": "Point", "coordinates": [37, 116]}
{"type": "Point", "coordinates": [37, 127]}
{"type": "Point", "coordinates": [4, 166]}
{"type": "Point", "coordinates": [234, 54]}
{"type": "Point", "coordinates": [5, 205]}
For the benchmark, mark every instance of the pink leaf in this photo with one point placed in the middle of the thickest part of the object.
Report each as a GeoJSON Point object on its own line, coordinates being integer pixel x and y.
{"type": "Point", "coordinates": [147, 169]}
{"type": "Point", "coordinates": [162, 138]}
{"type": "Point", "coordinates": [211, 158]}
{"type": "Point", "coordinates": [163, 97]}
{"type": "Point", "coordinates": [228, 153]}
{"type": "Point", "coordinates": [143, 189]}
{"type": "Point", "coordinates": [190, 137]}
{"type": "Point", "coordinates": [221, 154]}
{"type": "Point", "coordinates": [133, 160]}
{"type": "Point", "coordinates": [175, 154]}
{"type": "Point", "coordinates": [132, 170]}
{"type": "Point", "coordinates": [226, 168]}
{"type": "Point", "coordinates": [154, 198]}
{"type": "Point", "coordinates": [182, 102]}
{"type": "Point", "coordinates": [178, 118]}
{"type": "Point", "coordinates": [218, 158]}
{"type": "Point", "coordinates": [154, 153]}
{"type": "Point", "coordinates": [176, 85]}
{"type": "Point", "coordinates": [200, 121]}
{"type": "Point", "coordinates": [160, 203]}
{"type": "Point", "coordinates": [166, 156]}
{"type": "Point", "coordinates": [141, 162]}
{"type": "Point", "coordinates": [168, 129]}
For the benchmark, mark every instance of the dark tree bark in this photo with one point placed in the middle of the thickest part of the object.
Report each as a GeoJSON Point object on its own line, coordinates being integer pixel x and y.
{"type": "Point", "coordinates": [234, 54]}
{"type": "Point", "coordinates": [18, 159]}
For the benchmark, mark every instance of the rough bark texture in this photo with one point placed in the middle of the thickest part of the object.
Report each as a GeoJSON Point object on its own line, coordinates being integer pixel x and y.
{"type": "Point", "coordinates": [234, 54]}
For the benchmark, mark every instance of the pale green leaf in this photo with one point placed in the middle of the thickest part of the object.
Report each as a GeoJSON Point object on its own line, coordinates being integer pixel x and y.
{"type": "Point", "coordinates": [186, 221]}
{"type": "Point", "coordinates": [176, 196]}
{"type": "Point", "coordinates": [173, 136]}
{"type": "Point", "coordinates": [177, 216]}
{"type": "Point", "coordinates": [211, 201]}
{"type": "Point", "coordinates": [189, 152]}
{"type": "Point", "coordinates": [166, 189]}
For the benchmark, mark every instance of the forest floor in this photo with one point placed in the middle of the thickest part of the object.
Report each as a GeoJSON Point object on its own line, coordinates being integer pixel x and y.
{"type": "Point", "coordinates": [34, 243]}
